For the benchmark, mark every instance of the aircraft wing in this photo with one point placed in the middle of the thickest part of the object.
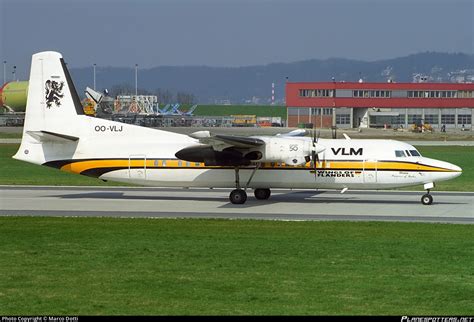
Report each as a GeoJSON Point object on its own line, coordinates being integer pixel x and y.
{"type": "Point", "coordinates": [220, 142]}
{"type": "Point", "coordinates": [294, 133]}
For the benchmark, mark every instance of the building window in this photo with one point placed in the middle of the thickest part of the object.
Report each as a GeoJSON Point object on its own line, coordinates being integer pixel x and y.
{"type": "Point", "coordinates": [373, 93]}
{"type": "Point", "coordinates": [447, 118]}
{"type": "Point", "coordinates": [316, 93]}
{"type": "Point", "coordinates": [414, 118]}
{"type": "Point", "coordinates": [400, 119]}
{"type": "Point", "coordinates": [464, 119]}
{"type": "Point", "coordinates": [343, 119]}
{"type": "Point", "coordinates": [465, 94]}
{"type": "Point", "coordinates": [431, 119]}
{"type": "Point", "coordinates": [327, 111]}
{"type": "Point", "coordinates": [434, 94]}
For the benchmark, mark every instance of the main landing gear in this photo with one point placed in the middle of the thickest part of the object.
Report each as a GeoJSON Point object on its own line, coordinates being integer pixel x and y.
{"type": "Point", "coordinates": [238, 196]}
{"type": "Point", "coordinates": [427, 199]}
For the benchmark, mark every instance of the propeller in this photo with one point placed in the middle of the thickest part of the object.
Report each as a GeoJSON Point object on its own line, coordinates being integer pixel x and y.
{"type": "Point", "coordinates": [314, 155]}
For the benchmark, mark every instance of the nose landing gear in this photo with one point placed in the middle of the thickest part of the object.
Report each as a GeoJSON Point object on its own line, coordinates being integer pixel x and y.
{"type": "Point", "coordinates": [427, 199]}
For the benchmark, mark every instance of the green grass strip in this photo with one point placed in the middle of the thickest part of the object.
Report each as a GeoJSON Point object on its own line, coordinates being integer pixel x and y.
{"type": "Point", "coordinates": [151, 267]}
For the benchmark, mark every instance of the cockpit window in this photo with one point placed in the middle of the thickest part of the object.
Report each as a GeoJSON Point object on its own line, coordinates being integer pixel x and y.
{"type": "Point", "coordinates": [399, 154]}
{"type": "Point", "coordinates": [415, 153]}
{"type": "Point", "coordinates": [408, 153]}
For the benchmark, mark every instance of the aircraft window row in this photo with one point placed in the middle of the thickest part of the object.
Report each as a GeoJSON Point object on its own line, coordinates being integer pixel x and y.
{"type": "Point", "coordinates": [407, 153]}
{"type": "Point", "coordinates": [316, 93]}
{"type": "Point", "coordinates": [374, 93]}
{"type": "Point", "coordinates": [163, 163]}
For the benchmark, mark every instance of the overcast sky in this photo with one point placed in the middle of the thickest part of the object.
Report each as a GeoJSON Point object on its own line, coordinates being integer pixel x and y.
{"type": "Point", "coordinates": [229, 32]}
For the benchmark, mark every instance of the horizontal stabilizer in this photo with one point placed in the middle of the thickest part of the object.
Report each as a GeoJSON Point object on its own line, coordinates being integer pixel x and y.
{"type": "Point", "coordinates": [46, 136]}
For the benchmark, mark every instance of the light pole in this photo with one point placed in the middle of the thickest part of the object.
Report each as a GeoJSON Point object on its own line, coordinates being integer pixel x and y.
{"type": "Point", "coordinates": [4, 71]}
{"type": "Point", "coordinates": [14, 73]}
{"type": "Point", "coordinates": [94, 76]}
{"type": "Point", "coordinates": [136, 79]}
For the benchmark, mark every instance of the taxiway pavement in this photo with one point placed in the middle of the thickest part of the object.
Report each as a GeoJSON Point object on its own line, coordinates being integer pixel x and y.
{"type": "Point", "coordinates": [448, 207]}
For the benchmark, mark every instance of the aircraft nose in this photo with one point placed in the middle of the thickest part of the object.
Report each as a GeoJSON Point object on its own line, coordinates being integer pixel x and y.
{"type": "Point", "coordinates": [456, 168]}
{"type": "Point", "coordinates": [456, 171]}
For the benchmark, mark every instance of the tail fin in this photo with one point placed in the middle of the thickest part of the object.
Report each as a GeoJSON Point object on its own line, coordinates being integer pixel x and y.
{"type": "Point", "coordinates": [52, 104]}
{"type": "Point", "coordinates": [51, 95]}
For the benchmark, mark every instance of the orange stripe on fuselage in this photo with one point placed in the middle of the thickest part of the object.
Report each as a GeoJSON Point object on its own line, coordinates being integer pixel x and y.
{"type": "Point", "coordinates": [84, 165]}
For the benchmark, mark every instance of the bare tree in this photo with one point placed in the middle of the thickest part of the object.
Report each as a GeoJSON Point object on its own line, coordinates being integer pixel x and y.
{"type": "Point", "coordinates": [165, 96]}
{"type": "Point", "coordinates": [185, 98]}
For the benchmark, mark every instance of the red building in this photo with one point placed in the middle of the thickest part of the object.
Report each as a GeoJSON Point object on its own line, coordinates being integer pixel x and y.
{"type": "Point", "coordinates": [350, 104]}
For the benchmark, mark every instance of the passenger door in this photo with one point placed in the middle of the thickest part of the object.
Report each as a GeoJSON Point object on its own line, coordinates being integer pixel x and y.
{"type": "Point", "coordinates": [370, 171]}
{"type": "Point", "coordinates": [137, 166]}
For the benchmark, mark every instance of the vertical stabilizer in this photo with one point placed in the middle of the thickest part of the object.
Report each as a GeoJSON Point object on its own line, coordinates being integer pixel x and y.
{"type": "Point", "coordinates": [52, 111]}
{"type": "Point", "coordinates": [52, 97]}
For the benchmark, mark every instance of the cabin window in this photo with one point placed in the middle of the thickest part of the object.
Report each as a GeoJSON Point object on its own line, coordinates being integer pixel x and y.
{"type": "Point", "coordinates": [415, 153]}
{"type": "Point", "coordinates": [399, 154]}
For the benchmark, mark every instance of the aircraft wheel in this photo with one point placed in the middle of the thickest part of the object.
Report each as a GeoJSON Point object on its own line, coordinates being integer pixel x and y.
{"type": "Point", "coordinates": [238, 196]}
{"type": "Point", "coordinates": [262, 194]}
{"type": "Point", "coordinates": [427, 199]}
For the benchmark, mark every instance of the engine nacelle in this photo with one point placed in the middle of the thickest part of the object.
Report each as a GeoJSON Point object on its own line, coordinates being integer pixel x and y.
{"type": "Point", "coordinates": [288, 150]}
{"type": "Point", "coordinates": [209, 156]}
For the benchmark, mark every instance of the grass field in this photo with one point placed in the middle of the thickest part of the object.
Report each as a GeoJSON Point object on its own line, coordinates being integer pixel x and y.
{"type": "Point", "coordinates": [17, 172]}
{"type": "Point", "coordinates": [152, 267]}
{"type": "Point", "coordinates": [8, 135]}
{"type": "Point", "coordinates": [22, 173]}
{"type": "Point", "coordinates": [462, 156]}
{"type": "Point", "coordinates": [258, 110]}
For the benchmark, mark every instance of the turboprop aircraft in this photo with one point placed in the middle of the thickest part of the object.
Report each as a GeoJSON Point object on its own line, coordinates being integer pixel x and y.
{"type": "Point", "coordinates": [58, 134]}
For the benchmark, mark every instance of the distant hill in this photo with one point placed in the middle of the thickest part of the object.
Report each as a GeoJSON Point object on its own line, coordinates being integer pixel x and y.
{"type": "Point", "coordinates": [239, 85]}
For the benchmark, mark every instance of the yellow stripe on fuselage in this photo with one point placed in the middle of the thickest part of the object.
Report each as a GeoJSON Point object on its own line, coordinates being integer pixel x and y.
{"type": "Point", "coordinates": [84, 165]}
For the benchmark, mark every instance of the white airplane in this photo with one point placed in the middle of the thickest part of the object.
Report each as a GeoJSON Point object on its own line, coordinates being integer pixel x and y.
{"type": "Point", "coordinates": [58, 134]}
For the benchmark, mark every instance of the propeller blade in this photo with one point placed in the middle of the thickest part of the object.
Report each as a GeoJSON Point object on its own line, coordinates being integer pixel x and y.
{"type": "Point", "coordinates": [314, 157]}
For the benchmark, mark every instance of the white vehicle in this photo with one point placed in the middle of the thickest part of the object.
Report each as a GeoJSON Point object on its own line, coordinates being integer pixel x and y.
{"type": "Point", "coordinates": [58, 134]}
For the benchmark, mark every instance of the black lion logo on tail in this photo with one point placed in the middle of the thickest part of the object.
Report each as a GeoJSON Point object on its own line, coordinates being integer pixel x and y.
{"type": "Point", "coordinates": [53, 93]}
